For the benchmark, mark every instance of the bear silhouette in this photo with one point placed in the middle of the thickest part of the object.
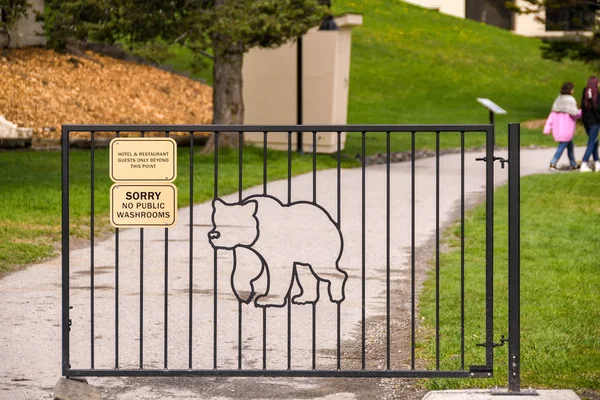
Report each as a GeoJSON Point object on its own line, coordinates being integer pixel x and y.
{"type": "Point", "coordinates": [282, 242]}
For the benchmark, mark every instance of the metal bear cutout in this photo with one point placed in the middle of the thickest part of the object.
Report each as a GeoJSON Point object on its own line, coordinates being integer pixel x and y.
{"type": "Point", "coordinates": [282, 243]}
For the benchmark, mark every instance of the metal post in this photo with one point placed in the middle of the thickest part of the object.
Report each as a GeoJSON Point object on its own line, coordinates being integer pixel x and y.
{"type": "Point", "coordinates": [514, 258]}
{"type": "Point", "coordinates": [66, 321]}
{"type": "Point", "coordinates": [299, 93]}
{"type": "Point", "coordinates": [492, 117]}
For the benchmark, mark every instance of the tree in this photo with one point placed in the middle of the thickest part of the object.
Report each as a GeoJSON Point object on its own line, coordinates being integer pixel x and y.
{"type": "Point", "coordinates": [228, 27]}
{"type": "Point", "coordinates": [573, 15]}
{"type": "Point", "coordinates": [236, 27]}
{"type": "Point", "coordinates": [11, 11]}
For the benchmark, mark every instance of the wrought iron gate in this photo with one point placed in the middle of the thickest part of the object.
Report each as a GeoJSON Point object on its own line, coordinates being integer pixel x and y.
{"type": "Point", "coordinates": [197, 323]}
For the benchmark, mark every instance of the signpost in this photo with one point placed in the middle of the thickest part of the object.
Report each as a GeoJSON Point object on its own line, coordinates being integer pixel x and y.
{"type": "Point", "coordinates": [143, 170]}
{"type": "Point", "coordinates": [492, 107]}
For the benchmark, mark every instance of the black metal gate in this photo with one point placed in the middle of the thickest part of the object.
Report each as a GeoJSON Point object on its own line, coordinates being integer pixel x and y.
{"type": "Point", "coordinates": [105, 313]}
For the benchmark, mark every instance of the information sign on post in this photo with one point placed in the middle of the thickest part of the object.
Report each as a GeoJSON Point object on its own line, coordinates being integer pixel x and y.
{"type": "Point", "coordinates": [492, 107]}
{"type": "Point", "coordinates": [134, 205]}
{"type": "Point", "coordinates": [143, 159]}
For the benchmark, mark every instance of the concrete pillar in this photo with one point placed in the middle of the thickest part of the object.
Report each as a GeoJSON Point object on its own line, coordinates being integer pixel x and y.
{"type": "Point", "coordinates": [270, 85]}
{"type": "Point", "coordinates": [28, 31]}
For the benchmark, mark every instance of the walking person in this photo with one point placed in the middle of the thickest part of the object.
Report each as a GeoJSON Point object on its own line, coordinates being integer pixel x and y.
{"type": "Point", "coordinates": [591, 122]}
{"type": "Point", "coordinates": [561, 122]}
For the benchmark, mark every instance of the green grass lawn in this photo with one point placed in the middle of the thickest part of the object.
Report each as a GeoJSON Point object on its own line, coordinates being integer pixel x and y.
{"type": "Point", "coordinates": [560, 337]}
{"type": "Point", "coordinates": [31, 192]}
{"type": "Point", "coordinates": [182, 62]}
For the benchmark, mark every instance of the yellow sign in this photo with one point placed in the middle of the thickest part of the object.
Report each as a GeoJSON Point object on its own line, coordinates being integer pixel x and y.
{"type": "Point", "coordinates": [138, 205]}
{"type": "Point", "coordinates": [143, 159]}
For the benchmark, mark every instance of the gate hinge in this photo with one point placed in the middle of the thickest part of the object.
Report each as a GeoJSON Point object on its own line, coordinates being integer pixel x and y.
{"type": "Point", "coordinates": [503, 341]}
{"type": "Point", "coordinates": [501, 159]}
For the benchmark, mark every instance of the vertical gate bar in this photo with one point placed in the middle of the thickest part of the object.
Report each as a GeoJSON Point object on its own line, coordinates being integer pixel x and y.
{"type": "Point", "coordinates": [387, 251]}
{"type": "Point", "coordinates": [289, 159]}
{"type": "Point", "coordinates": [191, 268]}
{"type": "Point", "coordinates": [240, 167]}
{"type": "Point", "coordinates": [314, 305]}
{"type": "Point", "coordinates": [363, 318]}
{"type": "Point", "coordinates": [65, 253]}
{"type": "Point", "coordinates": [339, 224]}
{"type": "Point", "coordinates": [264, 338]}
{"type": "Point", "coordinates": [289, 294]}
{"type": "Point", "coordinates": [489, 249]}
{"type": "Point", "coordinates": [462, 250]}
{"type": "Point", "coordinates": [166, 296]}
{"type": "Point", "coordinates": [142, 292]}
{"type": "Point", "coordinates": [514, 258]}
{"type": "Point", "coordinates": [289, 329]}
{"type": "Point", "coordinates": [118, 134]}
{"type": "Point", "coordinates": [92, 182]}
{"type": "Point", "coordinates": [314, 336]}
{"type": "Point", "coordinates": [141, 298]}
{"type": "Point", "coordinates": [314, 160]}
{"type": "Point", "coordinates": [264, 162]}
{"type": "Point", "coordinates": [264, 311]}
{"type": "Point", "coordinates": [215, 271]}
{"type": "Point", "coordinates": [412, 253]}
{"type": "Point", "coordinates": [437, 250]}
{"type": "Point", "coordinates": [240, 186]}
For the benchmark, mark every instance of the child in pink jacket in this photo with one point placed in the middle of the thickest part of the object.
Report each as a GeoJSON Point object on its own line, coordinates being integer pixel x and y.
{"type": "Point", "coordinates": [561, 123]}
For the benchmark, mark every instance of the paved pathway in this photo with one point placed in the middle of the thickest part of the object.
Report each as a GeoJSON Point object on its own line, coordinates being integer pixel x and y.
{"type": "Point", "coordinates": [30, 333]}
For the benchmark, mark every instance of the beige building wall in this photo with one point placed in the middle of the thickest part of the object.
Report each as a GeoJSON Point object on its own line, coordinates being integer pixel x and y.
{"type": "Point", "coordinates": [524, 24]}
{"type": "Point", "coordinates": [270, 86]}
{"type": "Point", "coordinates": [27, 32]}
{"type": "Point", "coordinates": [450, 7]}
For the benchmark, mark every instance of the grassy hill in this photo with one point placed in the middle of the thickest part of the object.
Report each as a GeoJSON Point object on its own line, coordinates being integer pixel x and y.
{"type": "Point", "coordinates": [411, 65]}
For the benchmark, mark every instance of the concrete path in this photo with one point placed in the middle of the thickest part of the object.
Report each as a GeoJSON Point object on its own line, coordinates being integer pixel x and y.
{"type": "Point", "coordinates": [30, 314]}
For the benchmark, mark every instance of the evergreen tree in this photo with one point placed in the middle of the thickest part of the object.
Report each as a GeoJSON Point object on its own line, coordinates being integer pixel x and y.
{"type": "Point", "coordinates": [575, 15]}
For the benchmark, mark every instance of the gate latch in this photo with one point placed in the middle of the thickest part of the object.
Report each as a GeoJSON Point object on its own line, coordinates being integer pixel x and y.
{"type": "Point", "coordinates": [503, 341]}
{"type": "Point", "coordinates": [501, 159]}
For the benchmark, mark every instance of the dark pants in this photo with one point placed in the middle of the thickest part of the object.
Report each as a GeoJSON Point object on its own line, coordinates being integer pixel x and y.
{"type": "Point", "coordinates": [592, 145]}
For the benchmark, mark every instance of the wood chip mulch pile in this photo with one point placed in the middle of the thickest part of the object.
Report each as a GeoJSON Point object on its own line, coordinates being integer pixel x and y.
{"type": "Point", "coordinates": [42, 89]}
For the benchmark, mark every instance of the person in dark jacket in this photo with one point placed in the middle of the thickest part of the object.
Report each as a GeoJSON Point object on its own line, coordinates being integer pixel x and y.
{"type": "Point", "coordinates": [591, 122]}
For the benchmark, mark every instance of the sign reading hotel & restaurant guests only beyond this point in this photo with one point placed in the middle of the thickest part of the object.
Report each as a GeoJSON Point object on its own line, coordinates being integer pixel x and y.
{"type": "Point", "coordinates": [143, 159]}
{"type": "Point", "coordinates": [143, 195]}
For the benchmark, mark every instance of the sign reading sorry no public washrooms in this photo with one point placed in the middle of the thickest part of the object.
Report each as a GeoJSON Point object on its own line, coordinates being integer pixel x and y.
{"type": "Point", "coordinates": [143, 195]}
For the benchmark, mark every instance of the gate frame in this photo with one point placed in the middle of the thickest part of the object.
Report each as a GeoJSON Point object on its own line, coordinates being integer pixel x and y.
{"type": "Point", "coordinates": [514, 253]}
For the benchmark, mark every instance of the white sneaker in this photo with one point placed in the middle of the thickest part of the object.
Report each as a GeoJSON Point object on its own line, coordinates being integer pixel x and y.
{"type": "Point", "coordinates": [585, 167]}
{"type": "Point", "coordinates": [597, 166]}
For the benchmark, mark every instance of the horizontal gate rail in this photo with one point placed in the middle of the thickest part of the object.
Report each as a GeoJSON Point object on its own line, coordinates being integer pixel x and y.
{"type": "Point", "coordinates": [278, 128]}
{"type": "Point", "coordinates": [211, 349]}
{"type": "Point", "coordinates": [281, 373]}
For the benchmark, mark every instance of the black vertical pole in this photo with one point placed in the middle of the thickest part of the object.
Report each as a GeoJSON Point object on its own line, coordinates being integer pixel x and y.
{"type": "Point", "coordinates": [492, 117]}
{"type": "Point", "coordinates": [514, 258]}
{"type": "Point", "coordinates": [299, 84]}
{"type": "Point", "coordinates": [65, 253]}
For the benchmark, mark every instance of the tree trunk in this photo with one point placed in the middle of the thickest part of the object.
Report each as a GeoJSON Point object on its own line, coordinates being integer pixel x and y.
{"type": "Point", "coordinates": [4, 41]}
{"type": "Point", "coordinates": [228, 104]}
